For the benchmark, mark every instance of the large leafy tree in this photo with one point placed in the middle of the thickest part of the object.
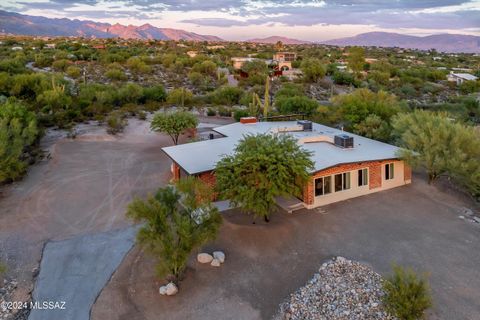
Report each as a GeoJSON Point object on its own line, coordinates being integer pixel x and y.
{"type": "Point", "coordinates": [441, 146]}
{"type": "Point", "coordinates": [176, 221]}
{"type": "Point", "coordinates": [174, 124]}
{"type": "Point", "coordinates": [313, 69]}
{"type": "Point", "coordinates": [18, 131]}
{"type": "Point", "coordinates": [261, 168]}
{"type": "Point", "coordinates": [358, 105]}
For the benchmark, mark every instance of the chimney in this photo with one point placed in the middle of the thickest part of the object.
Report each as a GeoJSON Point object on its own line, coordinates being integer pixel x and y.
{"type": "Point", "coordinates": [245, 120]}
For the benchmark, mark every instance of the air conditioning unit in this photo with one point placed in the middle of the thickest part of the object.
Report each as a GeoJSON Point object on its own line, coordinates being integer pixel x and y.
{"type": "Point", "coordinates": [343, 141]}
{"type": "Point", "coordinates": [307, 125]}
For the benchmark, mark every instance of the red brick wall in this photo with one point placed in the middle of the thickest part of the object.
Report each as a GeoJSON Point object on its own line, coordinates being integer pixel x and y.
{"type": "Point", "coordinates": [208, 178]}
{"type": "Point", "coordinates": [374, 179]}
{"type": "Point", "coordinates": [407, 173]}
{"type": "Point", "coordinates": [175, 171]}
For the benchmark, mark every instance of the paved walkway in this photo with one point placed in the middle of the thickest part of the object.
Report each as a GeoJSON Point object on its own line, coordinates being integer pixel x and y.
{"type": "Point", "coordinates": [74, 271]}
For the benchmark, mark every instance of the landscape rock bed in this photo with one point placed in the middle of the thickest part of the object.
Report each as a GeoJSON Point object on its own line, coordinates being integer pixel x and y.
{"type": "Point", "coordinates": [7, 287]}
{"type": "Point", "coordinates": [341, 289]}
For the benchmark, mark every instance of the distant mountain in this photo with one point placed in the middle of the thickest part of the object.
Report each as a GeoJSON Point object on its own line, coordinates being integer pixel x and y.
{"type": "Point", "coordinates": [440, 42]}
{"type": "Point", "coordinates": [19, 24]}
{"type": "Point", "coordinates": [275, 39]}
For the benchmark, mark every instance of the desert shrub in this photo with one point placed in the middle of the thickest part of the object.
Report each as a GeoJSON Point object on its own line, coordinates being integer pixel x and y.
{"type": "Point", "coordinates": [407, 295]}
{"type": "Point", "coordinates": [155, 93]}
{"type": "Point", "coordinates": [73, 72]}
{"type": "Point", "coordinates": [224, 112]}
{"type": "Point", "coordinates": [115, 75]}
{"type": "Point", "coordinates": [296, 104]}
{"type": "Point", "coordinates": [240, 114]}
{"type": "Point", "coordinates": [211, 112]}
{"type": "Point", "coordinates": [116, 122]}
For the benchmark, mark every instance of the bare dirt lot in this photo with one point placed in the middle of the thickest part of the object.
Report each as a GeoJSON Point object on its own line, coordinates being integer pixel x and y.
{"type": "Point", "coordinates": [83, 188]}
{"type": "Point", "coordinates": [416, 226]}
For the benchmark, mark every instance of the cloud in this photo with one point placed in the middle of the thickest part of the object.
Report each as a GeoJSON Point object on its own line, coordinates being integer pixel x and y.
{"type": "Point", "coordinates": [426, 14]}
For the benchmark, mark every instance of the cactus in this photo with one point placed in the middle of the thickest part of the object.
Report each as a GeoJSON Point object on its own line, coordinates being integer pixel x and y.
{"type": "Point", "coordinates": [256, 106]}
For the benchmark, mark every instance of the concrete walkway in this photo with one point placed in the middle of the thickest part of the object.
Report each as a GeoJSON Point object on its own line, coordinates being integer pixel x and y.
{"type": "Point", "coordinates": [74, 271]}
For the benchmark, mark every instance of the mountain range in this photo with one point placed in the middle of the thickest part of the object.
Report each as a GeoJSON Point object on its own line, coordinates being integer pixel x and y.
{"type": "Point", "coordinates": [439, 42]}
{"type": "Point", "coordinates": [275, 39]}
{"type": "Point", "coordinates": [19, 24]}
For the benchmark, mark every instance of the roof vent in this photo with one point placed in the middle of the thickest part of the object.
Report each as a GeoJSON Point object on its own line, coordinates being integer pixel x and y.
{"type": "Point", "coordinates": [306, 124]}
{"type": "Point", "coordinates": [343, 141]}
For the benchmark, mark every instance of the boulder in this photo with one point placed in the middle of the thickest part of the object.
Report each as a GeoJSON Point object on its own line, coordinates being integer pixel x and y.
{"type": "Point", "coordinates": [215, 263]}
{"type": "Point", "coordinates": [163, 290]}
{"type": "Point", "coordinates": [171, 289]}
{"type": "Point", "coordinates": [219, 255]}
{"type": "Point", "coordinates": [204, 258]}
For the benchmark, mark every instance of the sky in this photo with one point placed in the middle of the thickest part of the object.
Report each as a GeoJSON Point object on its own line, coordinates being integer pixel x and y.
{"type": "Point", "coordinates": [312, 20]}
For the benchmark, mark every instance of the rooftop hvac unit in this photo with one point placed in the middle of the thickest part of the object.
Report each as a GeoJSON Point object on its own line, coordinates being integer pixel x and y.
{"type": "Point", "coordinates": [343, 141]}
{"type": "Point", "coordinates": [307, 125]}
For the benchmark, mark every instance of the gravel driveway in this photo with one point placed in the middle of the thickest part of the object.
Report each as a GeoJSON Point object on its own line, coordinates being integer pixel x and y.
{"type": "Point", "coordinates": [415, 225]}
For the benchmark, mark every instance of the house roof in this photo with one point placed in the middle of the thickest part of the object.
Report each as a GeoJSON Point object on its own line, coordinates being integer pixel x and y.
{"type": "Point", "coordinates": [202, 156]}
{"type": "Point", "coordinates": [465, 76]}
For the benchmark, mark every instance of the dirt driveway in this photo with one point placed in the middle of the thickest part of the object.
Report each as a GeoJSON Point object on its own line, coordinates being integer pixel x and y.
{"type": "Point", "coordinates": [416, 226]}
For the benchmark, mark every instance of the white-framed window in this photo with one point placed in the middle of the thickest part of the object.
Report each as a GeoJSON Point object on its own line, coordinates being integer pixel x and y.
{"type": "Point", "coordinates": [342, 181]}
{"type": "Point", "coordinates": [323, 186]}
{"type": "Point", "coordinates": [362, 177]}
{"type": "Point", "coordinates": [389, 171]}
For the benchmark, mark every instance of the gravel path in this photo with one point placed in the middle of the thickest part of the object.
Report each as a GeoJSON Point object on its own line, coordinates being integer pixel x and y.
{"type": "Point", "coordinates": [341, 289]}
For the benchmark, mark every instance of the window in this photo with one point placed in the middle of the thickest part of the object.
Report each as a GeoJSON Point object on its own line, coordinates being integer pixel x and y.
{"type": "Point", "coordinates": [323, 186]}
{"type": "Point", "coordinates": [389, 170]}
{"type": "Point", "coordinates": [342, 181]}
{"type": "Point", "coordinates": [362, 177]}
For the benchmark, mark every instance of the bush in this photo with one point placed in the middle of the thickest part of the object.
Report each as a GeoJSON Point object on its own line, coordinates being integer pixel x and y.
{"type": "Point", "coordinates": [211, 112]}
{"type": "Point", "coordinates": [155, 93]}
{"type": "Point", "coordinates": [227, 95]}
{"type": "Point", "coordinates": [73, 72]}
{"type": "Point", "coordinates": [224, 112]}
{"type": "Point", "coordinates": [240, 114]}
{"type": "Point", "coordinates": [180, 97]}
{"type": "Point", "coordinates": [407, 296]}
{"type": "Point", "coordinates": [115, 75]}
{"type": "Point", "coordinates": [296, 104]}
{"type": "Point", "coordinates": [116, 122]}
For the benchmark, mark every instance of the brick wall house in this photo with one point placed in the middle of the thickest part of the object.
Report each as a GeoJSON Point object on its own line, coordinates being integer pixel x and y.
{"type": "Point", "coordinates": [341, 172]}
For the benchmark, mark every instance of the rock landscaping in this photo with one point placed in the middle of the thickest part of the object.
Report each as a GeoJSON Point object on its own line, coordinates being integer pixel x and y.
{"type": "Point", "coordinates": [7, 286]}
{"type": "Point", "coordinates": [342, 289]}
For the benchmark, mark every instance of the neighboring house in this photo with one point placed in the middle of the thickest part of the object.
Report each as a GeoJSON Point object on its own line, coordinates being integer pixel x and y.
{"type": "Point", "coordinates": [238, 62]}
{"type": "Point", "coordinates": [460, 78]}
{"type": "Point", "coordinates": [346, 165]}
{"type": "Point", "coordinates": [192, 54]}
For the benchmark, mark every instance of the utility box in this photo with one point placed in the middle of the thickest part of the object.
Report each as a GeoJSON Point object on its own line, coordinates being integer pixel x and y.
{"type": "Point", "coordinates": [343, 141]}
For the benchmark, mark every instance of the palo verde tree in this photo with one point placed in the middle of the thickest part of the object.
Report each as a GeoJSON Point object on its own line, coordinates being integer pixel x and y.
{"type": "Point", "coordinates": [18, 131]}
{"type": "Point", "coordinates": [261, 168]}
{"type": "Point", "coordinates": [440, 145]}
{"type": "Point", "coordinates": [176, 221]}
{"type": "Point", "coordinates": [173, 123]}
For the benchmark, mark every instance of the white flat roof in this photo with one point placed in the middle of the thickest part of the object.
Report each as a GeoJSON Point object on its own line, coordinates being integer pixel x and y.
{"type": "Point", "coordinates": [465, 76]}
{"type": "Point", "coordinates": [202, 156]}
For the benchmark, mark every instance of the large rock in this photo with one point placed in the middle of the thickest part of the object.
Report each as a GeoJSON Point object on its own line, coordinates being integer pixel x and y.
{"type": "Point", "coordinates": [163, 290]}
{"type": "Point", "coordinates": [215, 263]}
{"type": "Point", "coordinates": [204, 258]}
{"type": "Point", "coordinates": [219, 255]}
{"type": "Point", "coordinates": [171, 289]}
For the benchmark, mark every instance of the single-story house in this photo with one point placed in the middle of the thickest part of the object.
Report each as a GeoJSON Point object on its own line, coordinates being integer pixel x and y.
{"type": "Point", "coordinates": [460, 78]}
{"type": "Point", "coordinates": [346, 165]}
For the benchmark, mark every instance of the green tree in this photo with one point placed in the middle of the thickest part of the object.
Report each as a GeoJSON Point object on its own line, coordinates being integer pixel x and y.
{"type": "Point", "coordinates": [373, 127]}
{"type": "Point", "coordinates": [180, 97]}
{"type": "Point", "coordinates": [155, 93]}
{"type": "Point", "coordinates": [358, 105]}
{"type": "Point", "coordinates": [175, 222]}
{"type": "Point", "coordinates": [255, 67]}
{"type": "Point", "coordinates": [407, 295]}
{"type": "Point", "coordinates": [206, 67]}
{"type": "Point", "coordinates": [174, 124]}
{"type": "Point", "coordinates": [18, 131]}
{"type": "Point", "coordinates": [296, 104]}
{"type": "Point", "coordinates": [138, 66]}
{"type": "Point", "coordinates": [313, 69]}
{"type": "Point", "coordinates": [227, 95]}
{"type": "Point", "coordinates": [261, 168]}
{"type": "Point", "coordinates": [441, 146]}
{"type": "Point", "coordinates": [356, 58]}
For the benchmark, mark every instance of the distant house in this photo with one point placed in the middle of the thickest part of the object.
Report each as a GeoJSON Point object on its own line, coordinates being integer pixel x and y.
{"type": "Point", "coordinates": [345, 165]}
{"type": "Point", "coordinates": [284, 60]}
{"type": "Point", "coordinates": [50, 46]}
{"type": "Point", "coordinates": [215, 47]}
{"type": "Point", "coordinates": [192, 54]}
{"type": "Point", "coordinates": [17, 48]}
{"type": "Point", "coordinates": [460, 78]}
{"type": "Point", "coordinates": [238, 62]}
{"type": "Point", "coordinates": [99, 47]}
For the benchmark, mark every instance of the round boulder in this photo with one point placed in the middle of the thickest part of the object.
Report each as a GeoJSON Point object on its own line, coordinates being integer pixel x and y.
{"type": "Point", "coordinates": [219, 255]}
{"type": "Point", "coordinates": [171, 289]}
{"type": "Point", "coordinates": [204, 258]}
{"type": "Point", "coordinates": [215, 263]}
